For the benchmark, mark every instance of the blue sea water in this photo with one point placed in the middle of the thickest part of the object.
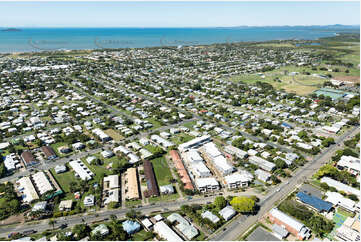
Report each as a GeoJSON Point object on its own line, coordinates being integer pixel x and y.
{"type": "Point", "coordinates": [40, 39]}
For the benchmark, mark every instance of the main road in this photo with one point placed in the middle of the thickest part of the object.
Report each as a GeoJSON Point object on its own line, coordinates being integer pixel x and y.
{"type": "Point", "coordinates": [100, 215]}
{"type": "Point", "coordinates": [243, 223]}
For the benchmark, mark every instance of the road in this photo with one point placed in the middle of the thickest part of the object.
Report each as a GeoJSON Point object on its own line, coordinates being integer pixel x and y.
{"type": "Point", "coordinates": [240, 225]}
{"type": "Point", "coordinates": [43, 225]}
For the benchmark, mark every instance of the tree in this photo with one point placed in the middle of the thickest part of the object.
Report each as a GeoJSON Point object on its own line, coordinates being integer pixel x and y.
{"type": "Point", "coordinates": [132, 214]}
{"type": "Point", "coordinates": [328, 141]}
{"type": "Point", "coordinates": [3, 170]}
{"type": "Point", "coordinates": [220, 202]}
{"type": "Point", "coordinates": [280, 164]}
{"type": "Point", "coordinates": [319, 225]}
{"type": "Point", "coordinates": [81, 230]}
{"type": "Point", "coordinates": [243, 204]}
{"type": "Point", "coordinates": [324, 186]}
{"type": "Point", "coordinates": [52, 222]}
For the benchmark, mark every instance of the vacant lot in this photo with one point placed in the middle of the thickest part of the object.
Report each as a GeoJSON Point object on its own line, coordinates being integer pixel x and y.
{"type": "Point", "coordinates": [64, 179]}
{"type": "Point", "coordinates": [299, 84]}
{"type": "Point", "coordinates": [113, 134]}
{"type": "Point", "coordinates": [161, 170]}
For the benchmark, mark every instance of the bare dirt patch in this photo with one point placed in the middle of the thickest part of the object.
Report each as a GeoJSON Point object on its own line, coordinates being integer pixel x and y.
{"type": "Point", "coordinates": [13, 219]}
{"type": "Point", "coordinates": [354, 79]}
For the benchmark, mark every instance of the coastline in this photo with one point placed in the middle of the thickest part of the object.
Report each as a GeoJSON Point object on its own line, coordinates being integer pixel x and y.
{"type": "Point", "coordinates": [32, 40]}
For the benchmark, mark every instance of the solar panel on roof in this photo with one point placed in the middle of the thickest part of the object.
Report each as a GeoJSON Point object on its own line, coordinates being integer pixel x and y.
{"type": "Point", "coordinates": [315, 202]}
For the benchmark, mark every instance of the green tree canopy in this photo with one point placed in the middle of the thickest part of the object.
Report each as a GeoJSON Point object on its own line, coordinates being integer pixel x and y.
{"type": "Point", "coordinates": [220, 202]}
{"type": "Point", "coordinates": [243, 204]}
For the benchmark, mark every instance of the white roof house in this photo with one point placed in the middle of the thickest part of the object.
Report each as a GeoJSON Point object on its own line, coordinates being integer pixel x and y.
{"type": "Point", "coordinates": [207, 184]}
{"type": "Point", "coordinates": [27, 189]}
{"type": "Point", "coordinates": [262, 175]}
{"type": "Point", "coordinates": [89, 200]}
{"type": "Point", "coordinates": [122, 149]}
{"type": "Point", "coordinates": [161, 141]}
{"type": "Point", "coordinates": [165, 232]}
{"type": "Point", "coordinates": [101, 229]}
{"type": "Point", "coordinates": [227, 213]}
{"type": "Point", "coordinates": [42, 183]}
{"type": "Point", "coordinates": [200, 169]}
{"type": "Point", "coordinates": [144, 153]}
{"type": "Point", "coordinates": [212, 150]}
{"type": "Point", "coordinates": [222, 165]}
{"type": "Point", "coordinates": [350, 163]}
{"type": "Point", "coordinates": [111, 181]}
{"type": "Point", "coordinates": [213, 218]}
{"type": "Point", "coordinates": [238, 179]}
{"type": "Point", "coordinates": [304, 145]}
{"type": "Point", "coordinates": [345, 233]}
{"type": "Point", "coordinates": [147, 223]}
{"type": "Point", "coordinates": [236, 151]}
{"type": "Point", "coordinates": [107, 153]}
{"type": "Point", "coordinates": [81, 170]}
{"type": "Point", "coordinates": [340, 186]}
{"type": "Point", "coordinates": [209, 181]}
{"type": "Point", "coordinates": [39, 206]}
{"type": "Point", "coordinates": [186, 228]}
{"type": "Point", "coordinates": [193, 156]}
{"type": "Point", "coordinates": [133, 158]}
{"type": "Point", "coordinates": [338, 200]}
{"type": "Point", "coordinates": [166, 189]}
{"type": "Point", "coordinates": [11, 162]}
{"type": "Point", "coordinates": [100, 133]}
{"type": "Point", "coordinates": [194, 143]}
{"type": "Point", "coordinates": [262, 163]}
{"type": "Point", "coordinates": [112, 196]}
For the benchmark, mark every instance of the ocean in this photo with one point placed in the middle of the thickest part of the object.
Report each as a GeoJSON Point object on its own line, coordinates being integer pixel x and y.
{"type": "Point", "coordinates": [43, 39]}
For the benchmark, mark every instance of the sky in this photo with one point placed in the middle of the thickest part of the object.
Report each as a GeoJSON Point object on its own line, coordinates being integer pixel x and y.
{"type": "Point", "coordinates": [176, 14]}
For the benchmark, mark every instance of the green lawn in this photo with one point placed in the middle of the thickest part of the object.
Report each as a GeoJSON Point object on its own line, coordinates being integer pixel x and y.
{"type": "Point", "coordinates": [133, 203]}
{"type": "Point", "coordinates": [64, 179]}
{"type": "Point", "coordinates": [98, 170]}
{"type": "Point", "coordinates": [155, 122]}
{"type": "Point", "coordinates": [161, 170]}
{"type": "Point", "coordinates": [190, 125]}
{"type": "Point", "coordinates": [181, 138]}
{"type": "Point", "coordinates": [140, 236]}
{"type": "Point", "coordinates": [57, 145]}
{"type": "Point", "coordinates": [170, 197]}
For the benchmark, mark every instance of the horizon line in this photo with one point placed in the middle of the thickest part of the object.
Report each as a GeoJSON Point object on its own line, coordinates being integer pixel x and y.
{"type": "Point", "coordinates": [237, 26]}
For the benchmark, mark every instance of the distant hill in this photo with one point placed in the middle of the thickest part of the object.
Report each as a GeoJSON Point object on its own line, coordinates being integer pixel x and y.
{"type": "Point", "coordinates": [318, 27]}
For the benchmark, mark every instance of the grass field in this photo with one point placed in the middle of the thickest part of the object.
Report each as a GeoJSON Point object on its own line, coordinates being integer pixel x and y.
{"type": "Point", "coordinates": [300, 84]}
{"type": "Point", "coordinates": [306, 84]}
{"type": "Point", "coordinates": [155, 122]}
{"type": "Point", "coordinates": [113, 134]}
{"type": "Point", "coordinates": [190, 124]}
{"type": "Point", "coordinates": [161, 170]}
{"type": "Point", "coordinates": [57, 145]}
{"type": "Point", "coordinates": [140, 236]}
{"type": "Point", "coordinates": [64, 179]}
{"type": "Point", "coordinates": [98, 170]}
{"type": "Point", "coordinates": [170, 197]}
{"type": "Point", "coordinates": [133, 203]}
{"type": "Point", "coordinates": [181, 138]}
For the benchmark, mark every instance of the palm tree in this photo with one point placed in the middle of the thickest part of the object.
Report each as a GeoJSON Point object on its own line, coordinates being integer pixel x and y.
{"type": "Point", "coordinates": [52, 222]}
